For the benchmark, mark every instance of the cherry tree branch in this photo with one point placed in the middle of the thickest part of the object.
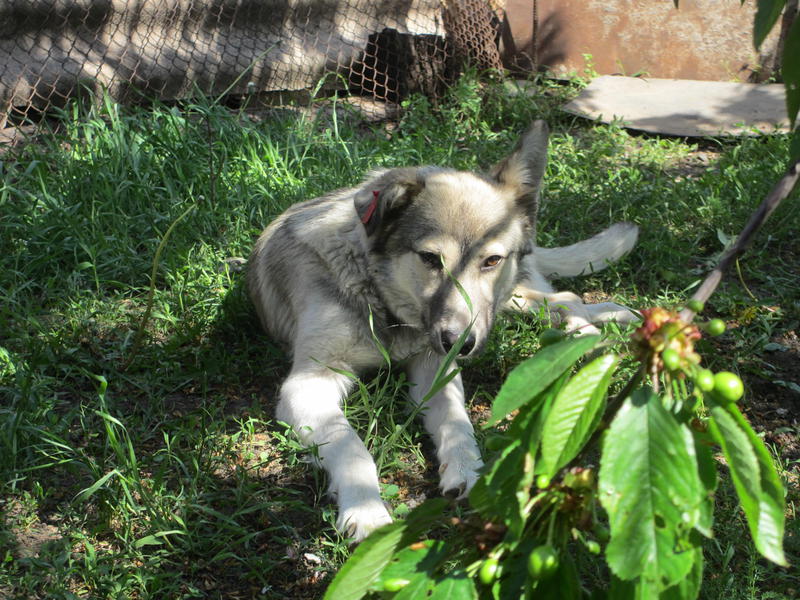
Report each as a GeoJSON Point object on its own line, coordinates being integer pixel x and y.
{"type": "Point", "coordinates": [777, 194]}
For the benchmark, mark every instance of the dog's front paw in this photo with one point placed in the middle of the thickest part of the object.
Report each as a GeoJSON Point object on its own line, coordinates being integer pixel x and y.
{"type": "Point", "coordinates": [579, 325]}
{"type": "Point", "coordinates": [459, 475]}
{"type": "Point", "coordinates": [359, 520]}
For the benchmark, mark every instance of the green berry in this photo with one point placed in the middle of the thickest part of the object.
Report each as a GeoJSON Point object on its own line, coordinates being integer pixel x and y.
{"type": "Point", "coordinates": [704, 379]}
{"type": "Point", "coordinates": [542, 481]}
{"type": "Point", "coordinates": [395, 584]}
{"type": "Point", "coordinates": [488, 572]}
{"type": "Point", "coordinates": [550, 336]}
{"type": "Point", "coordinates": [728, 386]}
{"type": "Point", "coordinates": [715, 327]}
{"type": "Point", "coordinates": [543, 562]}
{"type": "Point", "coordinates": [602, 533]}
{"type": "Point", "coordinates": [593, 547]}
{"type": "Point", "coordinates": [695, 306]}
{"type": "Point", "coordinates": [671, 358]}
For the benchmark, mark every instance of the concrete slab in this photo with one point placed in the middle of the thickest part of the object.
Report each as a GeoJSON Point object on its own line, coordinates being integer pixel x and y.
{"type": "Point", "coordinates": [683, 107]}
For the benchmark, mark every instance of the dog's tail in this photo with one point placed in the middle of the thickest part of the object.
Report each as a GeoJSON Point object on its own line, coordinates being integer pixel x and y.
{"type": "Point", "coordinates": [588, 256]}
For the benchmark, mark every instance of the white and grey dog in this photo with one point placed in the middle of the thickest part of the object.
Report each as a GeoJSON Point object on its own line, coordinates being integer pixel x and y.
{"type": "Point", "coordinates": [380, 260]}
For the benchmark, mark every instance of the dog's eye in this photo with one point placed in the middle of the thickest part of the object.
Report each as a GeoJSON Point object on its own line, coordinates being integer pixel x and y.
{"type": "Point", "coordinates": [431, 260]}
{"type": "Point", "coordinates": [492, 262]}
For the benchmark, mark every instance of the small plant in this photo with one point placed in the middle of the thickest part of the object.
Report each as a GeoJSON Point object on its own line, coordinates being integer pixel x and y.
{"type": "Point", "coordinates": [541, 503]}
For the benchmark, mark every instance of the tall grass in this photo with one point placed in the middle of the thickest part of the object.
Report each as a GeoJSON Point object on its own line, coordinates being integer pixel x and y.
{"type": "Point", "coordinates": [157, 471]}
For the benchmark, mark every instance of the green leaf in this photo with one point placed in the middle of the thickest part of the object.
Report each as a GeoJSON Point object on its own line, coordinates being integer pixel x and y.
{"type": "Point", "coordinates": [529, 422]}
{"type": "Point", "coordinates": [707, 469]}
{"type": "Point", "coordinates": [794, 146]}
{"type": "Point", "coordinates": [568, 423]}
{"type": "Point", "coordinates": [103, 385]}
{"type": "Point", "coordinates": [639, 589]}
{"type": "Point", "coordinates": [494, 494]}
{"type": "Point", "coordinates": [767, 14]}
{"type": "Point", "coordinates": [628, 590]}
{"type": "Point", "coordinates": [504, 488]}
{"type": "Point", "coordinates": [454, 587]}
{"type": "Point", "coordinates": [373, 554]}
{"type": "Point", "coordinates": [531, 377]}
{"type": "Point", "coordinates": [418, 586]}
{"type": "Point", "coordinates": [409, 562]}
{"type": "Point", "coordinates": [88, 492]}
{"type": "Point", "coordinates": [156, 539]}
{"type": "Point", "coordinates": [754, 477]}
{"type": "Point", "coordinates": [689, 587]}
{"type": "Point", "coordinates": [391, 490]}
{"type": "Point", "coordinates": [790, 70]}
{"type": "Point", "coordinates": [651, 490]}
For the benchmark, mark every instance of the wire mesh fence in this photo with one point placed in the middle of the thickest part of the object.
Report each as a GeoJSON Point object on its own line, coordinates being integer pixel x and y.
{"type": "Point", "coordinates": [134, 50]}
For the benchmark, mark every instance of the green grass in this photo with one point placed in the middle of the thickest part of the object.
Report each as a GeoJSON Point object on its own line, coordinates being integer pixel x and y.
{"type": "Point", "coordinates": [154, 469]}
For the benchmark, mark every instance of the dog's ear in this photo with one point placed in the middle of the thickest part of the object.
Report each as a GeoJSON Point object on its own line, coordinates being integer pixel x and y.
{"type": "Point", "coordinates": [523, 170]}
{"type": "Point", "coordinates": [380, 198]}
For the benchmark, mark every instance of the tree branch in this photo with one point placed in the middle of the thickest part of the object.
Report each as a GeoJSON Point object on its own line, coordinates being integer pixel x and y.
{"type": "Point", "coordinates": [777, 194]}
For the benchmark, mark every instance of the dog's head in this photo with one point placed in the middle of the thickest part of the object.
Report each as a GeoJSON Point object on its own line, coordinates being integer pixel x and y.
{"type": "Point", "coordinates": [445, 245]}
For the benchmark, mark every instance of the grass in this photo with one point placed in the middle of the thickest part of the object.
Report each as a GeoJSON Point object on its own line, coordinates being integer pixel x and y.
{"type": "Point", "coordinates": [153, 469]}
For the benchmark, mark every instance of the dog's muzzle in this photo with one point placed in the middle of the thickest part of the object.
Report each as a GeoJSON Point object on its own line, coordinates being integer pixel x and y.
{"type": "Point", "coordinates": [448, 339]}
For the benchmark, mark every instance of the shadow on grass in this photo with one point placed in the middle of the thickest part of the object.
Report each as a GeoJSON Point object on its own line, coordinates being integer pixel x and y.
{"type": "Point", "coordinates": [207, 498]}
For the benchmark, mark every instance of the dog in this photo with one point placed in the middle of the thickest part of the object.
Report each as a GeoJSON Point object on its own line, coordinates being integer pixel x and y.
{"type": "Point", "coordinates": [413, 262]}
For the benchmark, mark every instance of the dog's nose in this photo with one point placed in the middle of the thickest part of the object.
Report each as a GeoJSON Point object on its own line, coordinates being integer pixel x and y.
{"type": "Point", "coordinates": [449, 339]}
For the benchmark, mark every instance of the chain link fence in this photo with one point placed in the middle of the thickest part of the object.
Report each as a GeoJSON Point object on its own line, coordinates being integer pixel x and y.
{"type": "Point", "coordinates": [135, 50]}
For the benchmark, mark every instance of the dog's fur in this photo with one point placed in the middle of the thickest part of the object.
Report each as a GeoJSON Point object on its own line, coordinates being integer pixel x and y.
{"type": "Point", "coordinates": [380, 260]}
